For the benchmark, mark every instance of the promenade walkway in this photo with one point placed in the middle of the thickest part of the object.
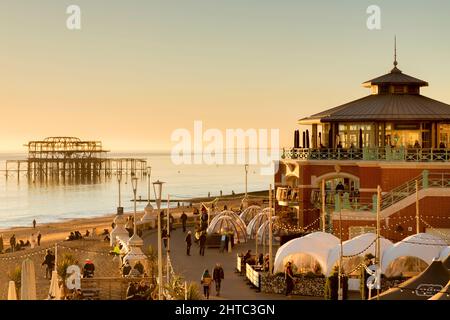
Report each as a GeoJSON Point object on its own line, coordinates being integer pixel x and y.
{"type": "Point", "coordinates": [234, 286]}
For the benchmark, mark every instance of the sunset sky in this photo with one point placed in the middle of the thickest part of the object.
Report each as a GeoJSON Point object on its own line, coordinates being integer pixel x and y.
{"type": "Point", "coordinates": [137, 70]}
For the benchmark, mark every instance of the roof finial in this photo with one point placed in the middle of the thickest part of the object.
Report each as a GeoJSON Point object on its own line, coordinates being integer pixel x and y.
{"type": "Point", "coordinates": [395, 52]}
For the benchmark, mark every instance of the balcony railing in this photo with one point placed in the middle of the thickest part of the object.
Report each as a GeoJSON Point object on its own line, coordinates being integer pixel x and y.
{"type": "Point", "coordinates": [287, 194]}
{"type": "Point", "coordinates": [349, 200]}
{"type": "Point", "coordinates": [369, 154]}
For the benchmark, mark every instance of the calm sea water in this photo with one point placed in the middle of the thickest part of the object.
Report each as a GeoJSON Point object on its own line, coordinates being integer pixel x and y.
{"type": "Point", "coordinates": [22, 201]}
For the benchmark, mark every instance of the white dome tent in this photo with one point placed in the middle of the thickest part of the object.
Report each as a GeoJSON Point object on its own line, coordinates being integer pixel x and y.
{"type": "Point", "coordinates": [360, 245]}
{"type": "Point", "coordinates": [248, 214]}
{"type": "Point", "coordinates": [254, 225]}
{"type": "Point", "coordinates": [228, 223]}
{"type": "Point", "coordinates": [316, 245]}
{"type": "Point", "coordinates": [422, 245]}
{"type": "Point", "coordinates": [445, 252]}
{"type": "Point", "coordinates": [230, 214]}
{"type": "Point", "coordinates": [263, 232]}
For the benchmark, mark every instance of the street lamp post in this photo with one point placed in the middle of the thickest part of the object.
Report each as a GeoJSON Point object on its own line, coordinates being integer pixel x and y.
{"type": "Point", "coordinates": [168, 239]}
{"type": "Point", "coordinates": [270, 230]}
{"type": "Point", "coordinates": [246, 179]}
{"type": "Point", "coordinates": [340, 289]}
{"type": "Point", "coordinates": [245, 202]}
{"type": "Point", "coordinates": [119, 180]}
{"type": "Point", "coordinates": [157, 188]}
{"type": "Point", "coordinates": [134, 185]}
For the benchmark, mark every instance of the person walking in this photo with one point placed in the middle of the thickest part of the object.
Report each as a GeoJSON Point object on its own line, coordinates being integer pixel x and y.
{"type": "Point", "coordinates": [289, 278]}
{"type": "Point", "coordinates": [164, 237]}
{"type": "Point", "coordinates": [39, 236]}
{"type": "Point", "coordinates": [206, 283]}
{"type": "Point", "coordinates": [12, 242]}
{"type": "Point", "coordinates": [202, 241]}
{"type": "Point", "coordinates": [183, 218]}
{"type": "Point", "coordinates": [49, 261]}
{"type": "Point", "coordinates": [188, 243]}
{"type": "Point", "coordinates": [218, 276]}
{"type": "Point", "coordinates": [34, 223]}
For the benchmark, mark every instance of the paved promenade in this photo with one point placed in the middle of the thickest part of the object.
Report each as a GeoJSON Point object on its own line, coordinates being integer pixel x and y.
{"type": "Point", "coordinates": [191, 267]}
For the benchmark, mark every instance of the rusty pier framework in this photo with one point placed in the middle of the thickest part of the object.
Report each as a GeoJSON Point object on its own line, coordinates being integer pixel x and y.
{"type": "Point", "coordinates": [71, 158]}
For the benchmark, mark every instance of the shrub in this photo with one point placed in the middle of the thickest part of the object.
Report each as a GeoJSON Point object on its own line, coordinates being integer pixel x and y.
{"type": "Point", "coordinates": [16, 276]}
{"type": "Point", "coordinates": [66, 261]}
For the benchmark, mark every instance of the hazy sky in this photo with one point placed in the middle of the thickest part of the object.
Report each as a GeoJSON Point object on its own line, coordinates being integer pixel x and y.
{"type": "Point", "coordinates": [137, 70]}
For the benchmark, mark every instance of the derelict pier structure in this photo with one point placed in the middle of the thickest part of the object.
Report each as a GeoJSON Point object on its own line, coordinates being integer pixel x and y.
{"type": "Point", "coordinates": [70, 157]}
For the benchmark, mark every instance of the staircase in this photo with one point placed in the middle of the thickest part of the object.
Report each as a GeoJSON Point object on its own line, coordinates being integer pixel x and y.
{"type": "Point", "coordinates": [429, 184]}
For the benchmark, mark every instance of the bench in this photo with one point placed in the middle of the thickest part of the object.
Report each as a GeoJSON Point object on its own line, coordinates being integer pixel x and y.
{"type": "Point", "coordinates": [91, 293]}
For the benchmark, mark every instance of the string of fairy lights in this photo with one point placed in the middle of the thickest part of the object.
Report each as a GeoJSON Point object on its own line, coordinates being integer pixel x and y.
{"type": "Point", "coordinates": [43, 250]}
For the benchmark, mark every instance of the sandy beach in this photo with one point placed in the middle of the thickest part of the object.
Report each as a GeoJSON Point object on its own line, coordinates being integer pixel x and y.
{"type": "Point", "coordinates": [96, 249]}
{"type": "Point", "coordinates": [57, 231]}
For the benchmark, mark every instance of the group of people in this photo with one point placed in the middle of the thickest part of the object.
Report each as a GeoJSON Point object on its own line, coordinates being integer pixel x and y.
{"type": "Point", "coordinates": [138, 291]}
{"type": "Point", "coordinates": [75, 235]}
{"type": "Point", "coordinates": [137, 270]}
{"type": "Point", "coordinates": [207, 279]}
{"type": "Point", "coordinates": [17, 245]}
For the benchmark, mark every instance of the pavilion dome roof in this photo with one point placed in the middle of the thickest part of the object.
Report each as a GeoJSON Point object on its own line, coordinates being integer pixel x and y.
{"type": "Point", "coordinates": [395, 77]}
{"type": "Point", "coordinates": [387, 107]}
{"type": "Point", "coordinates": [384, 107]}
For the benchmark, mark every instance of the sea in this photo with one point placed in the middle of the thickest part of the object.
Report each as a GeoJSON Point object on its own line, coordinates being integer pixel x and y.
{"type": "Point", "coordinates": [22, 200]}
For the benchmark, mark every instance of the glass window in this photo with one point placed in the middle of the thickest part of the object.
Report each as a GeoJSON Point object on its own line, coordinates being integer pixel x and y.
{"type": "Point", "coordinates": [444, 135]}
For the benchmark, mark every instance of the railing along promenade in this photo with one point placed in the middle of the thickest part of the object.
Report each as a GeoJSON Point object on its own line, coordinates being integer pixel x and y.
{"type": "Point", "coordinates": [369, 154]}
{"type": "Point", "coordinates": [353, 202]}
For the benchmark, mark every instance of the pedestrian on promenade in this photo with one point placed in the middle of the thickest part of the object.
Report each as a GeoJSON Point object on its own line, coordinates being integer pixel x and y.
{"type": "Point", "coordinates": [39, 236]}
{"type": "Point", "coordinates": [164, 237]}
{"type": "Point", "coordinates": [202, 241]}
{"type": "Point", "coordinates": [206, 283]}
{"type": "Point", "coordinates": [289, 278]}
{"type": "Point", "coordinates": [12, 242]}
{"type": "Point", "coordinates": [188, 243]}
{"type": "Point", "coordinates": [34, 223]}
{"type": "Point", "coordinates": [49, 262]}
{"type": "Point", "coordinates": [218, 276]}
{"type": "Point", "coordinates": [183, 218]}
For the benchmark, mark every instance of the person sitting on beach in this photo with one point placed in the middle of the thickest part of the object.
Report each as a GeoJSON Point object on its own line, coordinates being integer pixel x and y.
{"type": "Point", "coordinates": [139, 267]}
{"type": "Point", "coordinates": [143, 288]}
{"type": "Point", "coordinates": [88, 269]}
{"type": "Point", "coordinates": [70, 237]}
{"type": "Point", "coordinates": [134, 273]}
{"type": "Point", "coordinates": [131, 291]}
{"type": "Point", "coordinates": [86, 234]}
{"type": "Point", "coordinates": [126, 268]}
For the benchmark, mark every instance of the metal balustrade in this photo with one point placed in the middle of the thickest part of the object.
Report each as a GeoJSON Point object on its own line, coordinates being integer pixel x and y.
{"type": "Point", "coordinates": [426, 180]}
{"type": "Point", "coordinates": [352, 202]}
{"type": "Point", "coordinates": [369, 154]}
